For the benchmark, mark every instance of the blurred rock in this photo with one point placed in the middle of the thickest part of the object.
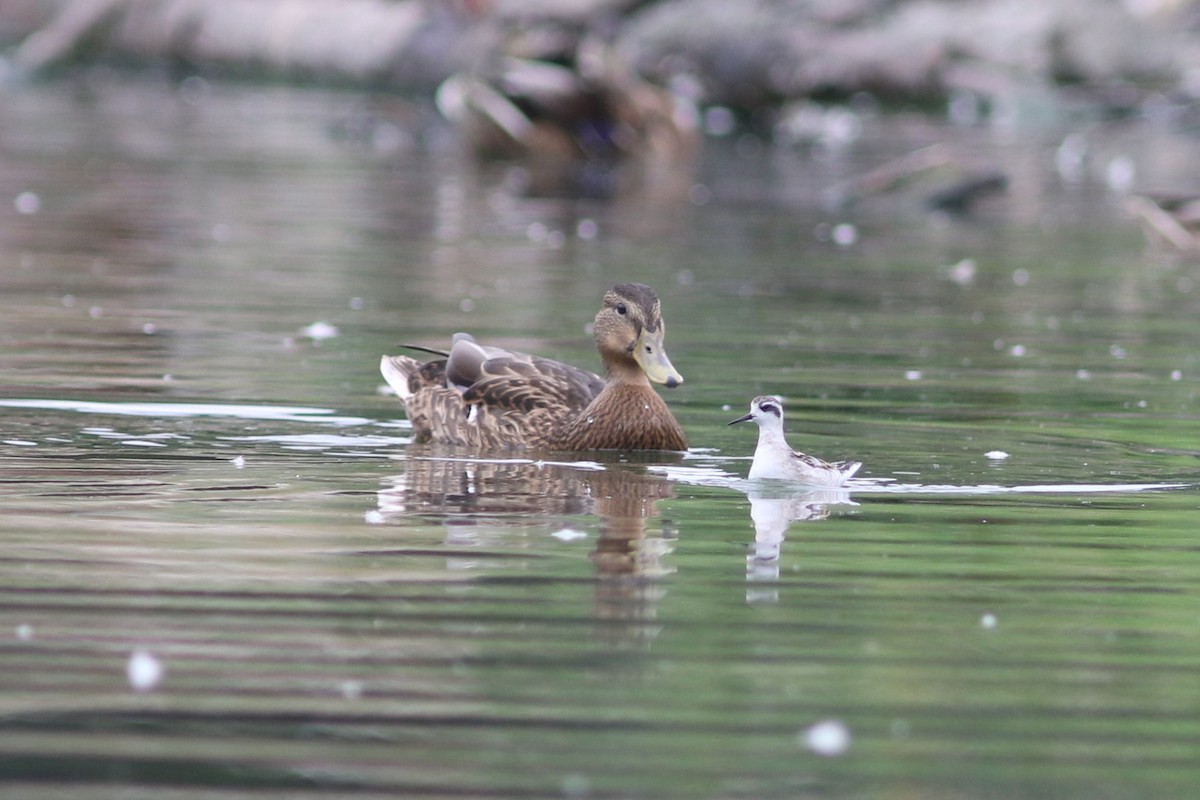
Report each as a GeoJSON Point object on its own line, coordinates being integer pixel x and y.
{"type": "Point", "coordinates": [744, 56]}
{"type": "Point", "coordinates": [750, 53]}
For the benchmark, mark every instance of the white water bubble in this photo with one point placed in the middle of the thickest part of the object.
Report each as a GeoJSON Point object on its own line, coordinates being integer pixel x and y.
{"type": "Point", "coordinates": [27, 203]}
{"type": "Point", "coordinates": [963, 272]}
{"type": "Point", "coordinates": [536, 231]}
{"type": "Point", "coordinates": [844, 234]}
{"type": "Point", "coordinates": [319, 331]}
{"type": "Point", "coordinates": [144, 671]}
{"type": "Point", "coordinates": [587, 229]}
{"type": "Point", "coordinates": [828, 738]}
{"type": "Point", "coordinates": [988, 622]}
{"type": "Point", "coordinates": [1120, 174]}
{"type": "Point", "coordinates": [996, 455]}
{"type": "Point", "coordinates": [569, 534]}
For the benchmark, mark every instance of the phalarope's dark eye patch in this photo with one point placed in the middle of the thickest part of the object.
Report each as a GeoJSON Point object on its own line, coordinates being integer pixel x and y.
{"type": "Point", "coordinates": [769, 408]}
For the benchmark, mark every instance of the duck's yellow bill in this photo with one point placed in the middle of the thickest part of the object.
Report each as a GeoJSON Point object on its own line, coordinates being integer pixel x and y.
{"type": "Point", "coordinates": [651, 356]}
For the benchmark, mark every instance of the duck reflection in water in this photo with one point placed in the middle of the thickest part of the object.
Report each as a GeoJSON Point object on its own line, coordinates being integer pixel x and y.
{"type": "Point", "coordinates": [473, 496]}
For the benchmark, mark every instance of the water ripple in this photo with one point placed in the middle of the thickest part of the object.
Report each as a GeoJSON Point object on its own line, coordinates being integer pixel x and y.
{"type": "Point", "coordinates": [324, 416]}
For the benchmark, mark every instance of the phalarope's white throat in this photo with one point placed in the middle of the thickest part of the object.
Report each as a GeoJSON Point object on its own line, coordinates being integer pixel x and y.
{"type": "Point", "coordinates": [774, 459]}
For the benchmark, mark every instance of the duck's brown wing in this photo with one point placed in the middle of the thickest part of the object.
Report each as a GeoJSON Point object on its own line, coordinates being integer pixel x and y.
{"type": "Point", "coordinates": [524, 383]}
{"type": "Point", "coordinates": [512, 381]}
{"type": "Point", "coordinates": [522, 401]}
{"type": "Point", "coordinates": [488, 397]}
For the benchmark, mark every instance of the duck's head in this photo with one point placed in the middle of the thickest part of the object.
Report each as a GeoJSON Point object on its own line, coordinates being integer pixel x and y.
{"type": "Point", "coordinates": [629, 333]}
{"type": "Point", "coordinates": [766, 410]}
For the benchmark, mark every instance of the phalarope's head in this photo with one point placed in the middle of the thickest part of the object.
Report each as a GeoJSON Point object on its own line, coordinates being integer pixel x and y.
{"type": "Point", "coordinates": [764, 410]}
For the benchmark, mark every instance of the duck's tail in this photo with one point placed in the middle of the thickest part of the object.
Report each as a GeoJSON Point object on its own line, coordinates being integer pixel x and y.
{"type": "Point", "coordinates": [398, 372]}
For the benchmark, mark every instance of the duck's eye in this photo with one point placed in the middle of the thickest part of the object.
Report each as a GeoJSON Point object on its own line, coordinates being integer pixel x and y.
{"type": "Point", "coordinates": [621, 309]}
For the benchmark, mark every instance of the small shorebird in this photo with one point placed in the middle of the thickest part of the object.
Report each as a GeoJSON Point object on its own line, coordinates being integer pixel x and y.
{"type": "Point", "coordinates": [774, 459]}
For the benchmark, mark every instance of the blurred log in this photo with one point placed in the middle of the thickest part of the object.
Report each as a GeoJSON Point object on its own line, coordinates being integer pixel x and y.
{"type": "Point", "coordinates": [962, 194]}
{"type": "Point", "coordinates": [890, 176]}
{"type": "Point", "coordinates": [20, 18]}
{"type": "Point", "coordinates": [65, 34]}
{"type": "Point", "coordinates": [1170, 221]}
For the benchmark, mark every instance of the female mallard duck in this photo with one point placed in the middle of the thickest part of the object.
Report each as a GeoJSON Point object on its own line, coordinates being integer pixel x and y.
{"type": "Point", "coordinates": [489, 398]}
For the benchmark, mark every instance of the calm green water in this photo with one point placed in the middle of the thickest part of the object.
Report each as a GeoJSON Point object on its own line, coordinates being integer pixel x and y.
{"type": "Point", "coordinates": [191, 473]}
